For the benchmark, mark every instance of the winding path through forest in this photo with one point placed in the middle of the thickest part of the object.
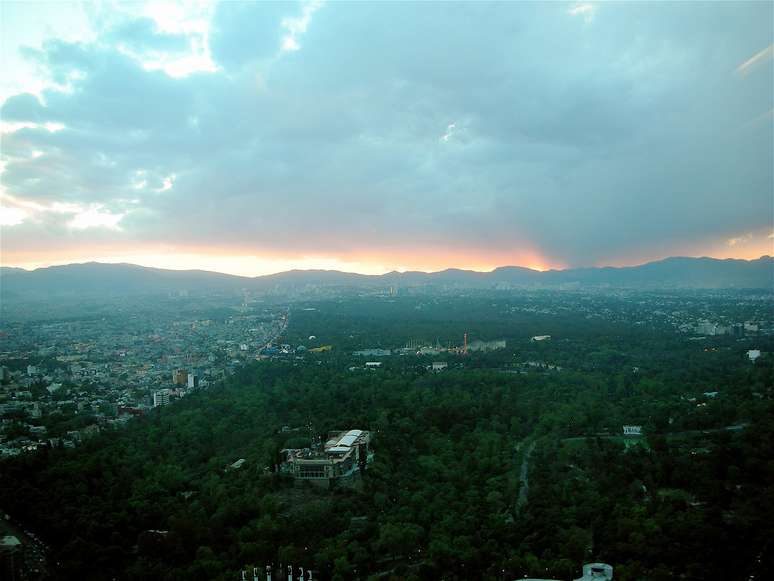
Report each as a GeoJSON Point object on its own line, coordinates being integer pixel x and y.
{"type": "Point", "coordinates": [524, 475]}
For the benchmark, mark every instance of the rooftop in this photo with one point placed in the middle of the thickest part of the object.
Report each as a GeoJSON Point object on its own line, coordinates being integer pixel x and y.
{"type": "Point", "coordinates": [9, 541]}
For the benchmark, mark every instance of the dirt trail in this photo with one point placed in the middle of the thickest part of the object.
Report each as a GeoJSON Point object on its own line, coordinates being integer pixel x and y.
{"type": "Point", "coordinates": [524, 476]}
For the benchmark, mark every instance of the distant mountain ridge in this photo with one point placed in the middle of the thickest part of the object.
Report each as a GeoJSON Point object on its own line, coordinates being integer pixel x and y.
{"type": "Point", "coordinates": [127, 279]}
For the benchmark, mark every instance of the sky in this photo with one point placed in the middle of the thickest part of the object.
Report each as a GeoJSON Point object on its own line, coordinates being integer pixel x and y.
{"type": "Point", "coordinates": [252, 138]}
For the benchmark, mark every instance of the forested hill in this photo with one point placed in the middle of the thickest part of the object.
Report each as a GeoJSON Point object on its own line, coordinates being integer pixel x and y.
{"type": "Point", "coordinates": [690, 500]}
{"type": "Point", "coordinates": [127, 279]}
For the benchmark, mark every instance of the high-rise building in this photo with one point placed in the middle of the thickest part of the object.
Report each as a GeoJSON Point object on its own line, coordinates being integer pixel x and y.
{"type": "Point", "coordinates": [161, 398]}
{"type": "Point", "coordinates": [180, 377]}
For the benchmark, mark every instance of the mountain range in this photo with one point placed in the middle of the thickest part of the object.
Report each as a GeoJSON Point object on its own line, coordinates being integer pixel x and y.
{"type": "Point", "coordinates": [128, 279]}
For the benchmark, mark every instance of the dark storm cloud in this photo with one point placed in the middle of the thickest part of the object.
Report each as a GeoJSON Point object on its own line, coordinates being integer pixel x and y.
{"type": "Point", "coordinates": [489, 126]}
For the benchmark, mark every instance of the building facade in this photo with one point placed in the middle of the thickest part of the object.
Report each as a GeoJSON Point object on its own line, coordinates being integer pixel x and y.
{"type": "Point", "coordinates": [161, 398]}
{"type": "Point", "coordinates": [342, 456]}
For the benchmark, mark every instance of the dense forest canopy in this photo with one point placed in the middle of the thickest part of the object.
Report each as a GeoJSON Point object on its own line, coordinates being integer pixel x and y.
{"type": "Point", "coordinates": [444, 496]}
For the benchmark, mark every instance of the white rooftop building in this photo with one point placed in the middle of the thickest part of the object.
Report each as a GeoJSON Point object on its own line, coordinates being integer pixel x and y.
{"type": "Point", "coordinates": [596, 572]}
{"type": "Point", "coordinates": [236, 465]}
{"type": "Point", "coordinates": [340, 457]}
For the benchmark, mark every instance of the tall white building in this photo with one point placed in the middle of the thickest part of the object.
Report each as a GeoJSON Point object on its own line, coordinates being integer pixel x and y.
{"type": "Point", "coordinates": [706, 328]}
{"type": "Point", "coordinates": [161, 398]}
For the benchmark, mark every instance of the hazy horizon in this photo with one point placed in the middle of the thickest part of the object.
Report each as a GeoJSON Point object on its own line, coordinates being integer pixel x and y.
{"type": "Point", "coordinates": [120, 263]}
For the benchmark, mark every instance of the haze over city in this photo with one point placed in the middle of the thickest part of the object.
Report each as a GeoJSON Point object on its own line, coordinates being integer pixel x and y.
{"type": "Point", "coordinates": [252, 138]}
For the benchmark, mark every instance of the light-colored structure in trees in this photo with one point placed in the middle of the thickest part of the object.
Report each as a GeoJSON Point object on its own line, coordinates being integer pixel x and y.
{"type": "Point", "coordinates": [180, 377]}
{"type": "Point", "coordinates": [341, 457]}
{"type": "Point", "coordinates": [596, 572]}
{"type": "Point", "coordinates": [161, 398]}
{"type": "Point", "coordinates": [591, 572]}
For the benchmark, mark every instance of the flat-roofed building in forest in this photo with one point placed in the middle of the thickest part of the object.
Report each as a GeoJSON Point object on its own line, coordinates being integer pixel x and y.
{"type": "Point", "coordinates": [596, 572]}
{"type": "Point", "coordinates": [342, 456]}
{"type": "Point", "coordinates": [11, 558]}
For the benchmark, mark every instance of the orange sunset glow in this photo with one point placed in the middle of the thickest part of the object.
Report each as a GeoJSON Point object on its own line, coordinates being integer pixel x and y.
{"type": "Point", "coordinates": [245, 263]}
{"type": "Point", "coordinates": [249, 264]}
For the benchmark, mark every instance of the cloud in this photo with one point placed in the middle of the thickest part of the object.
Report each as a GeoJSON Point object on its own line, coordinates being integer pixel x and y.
{"type": "Point", "coordinates": [739, 240]}
{"type": "Point", "coordinates": [246, 33]}
{"type": "Point", "coordinates": [396, 141]}
{"type": "Point", "coordinates": [583, 9]}
{"type": "Point", "coordinates": [14, 212]}
{"type": "Point", "coordinates": [295, 27]}
{"type": "Point", "coordinates": [757, 59]}
{"type": "Point", "coordinates": [450, 129]}
{"type": "Point", "coordinates": [143, 35]}
{"type": "Point", "coordinates": [167, 183]}
{"type": "Point", "coordinates": [24, 107]}
{"type": "Point", "coordinates": [11, 216]}
{"type": "Point", "coordinates": [95, 217]}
